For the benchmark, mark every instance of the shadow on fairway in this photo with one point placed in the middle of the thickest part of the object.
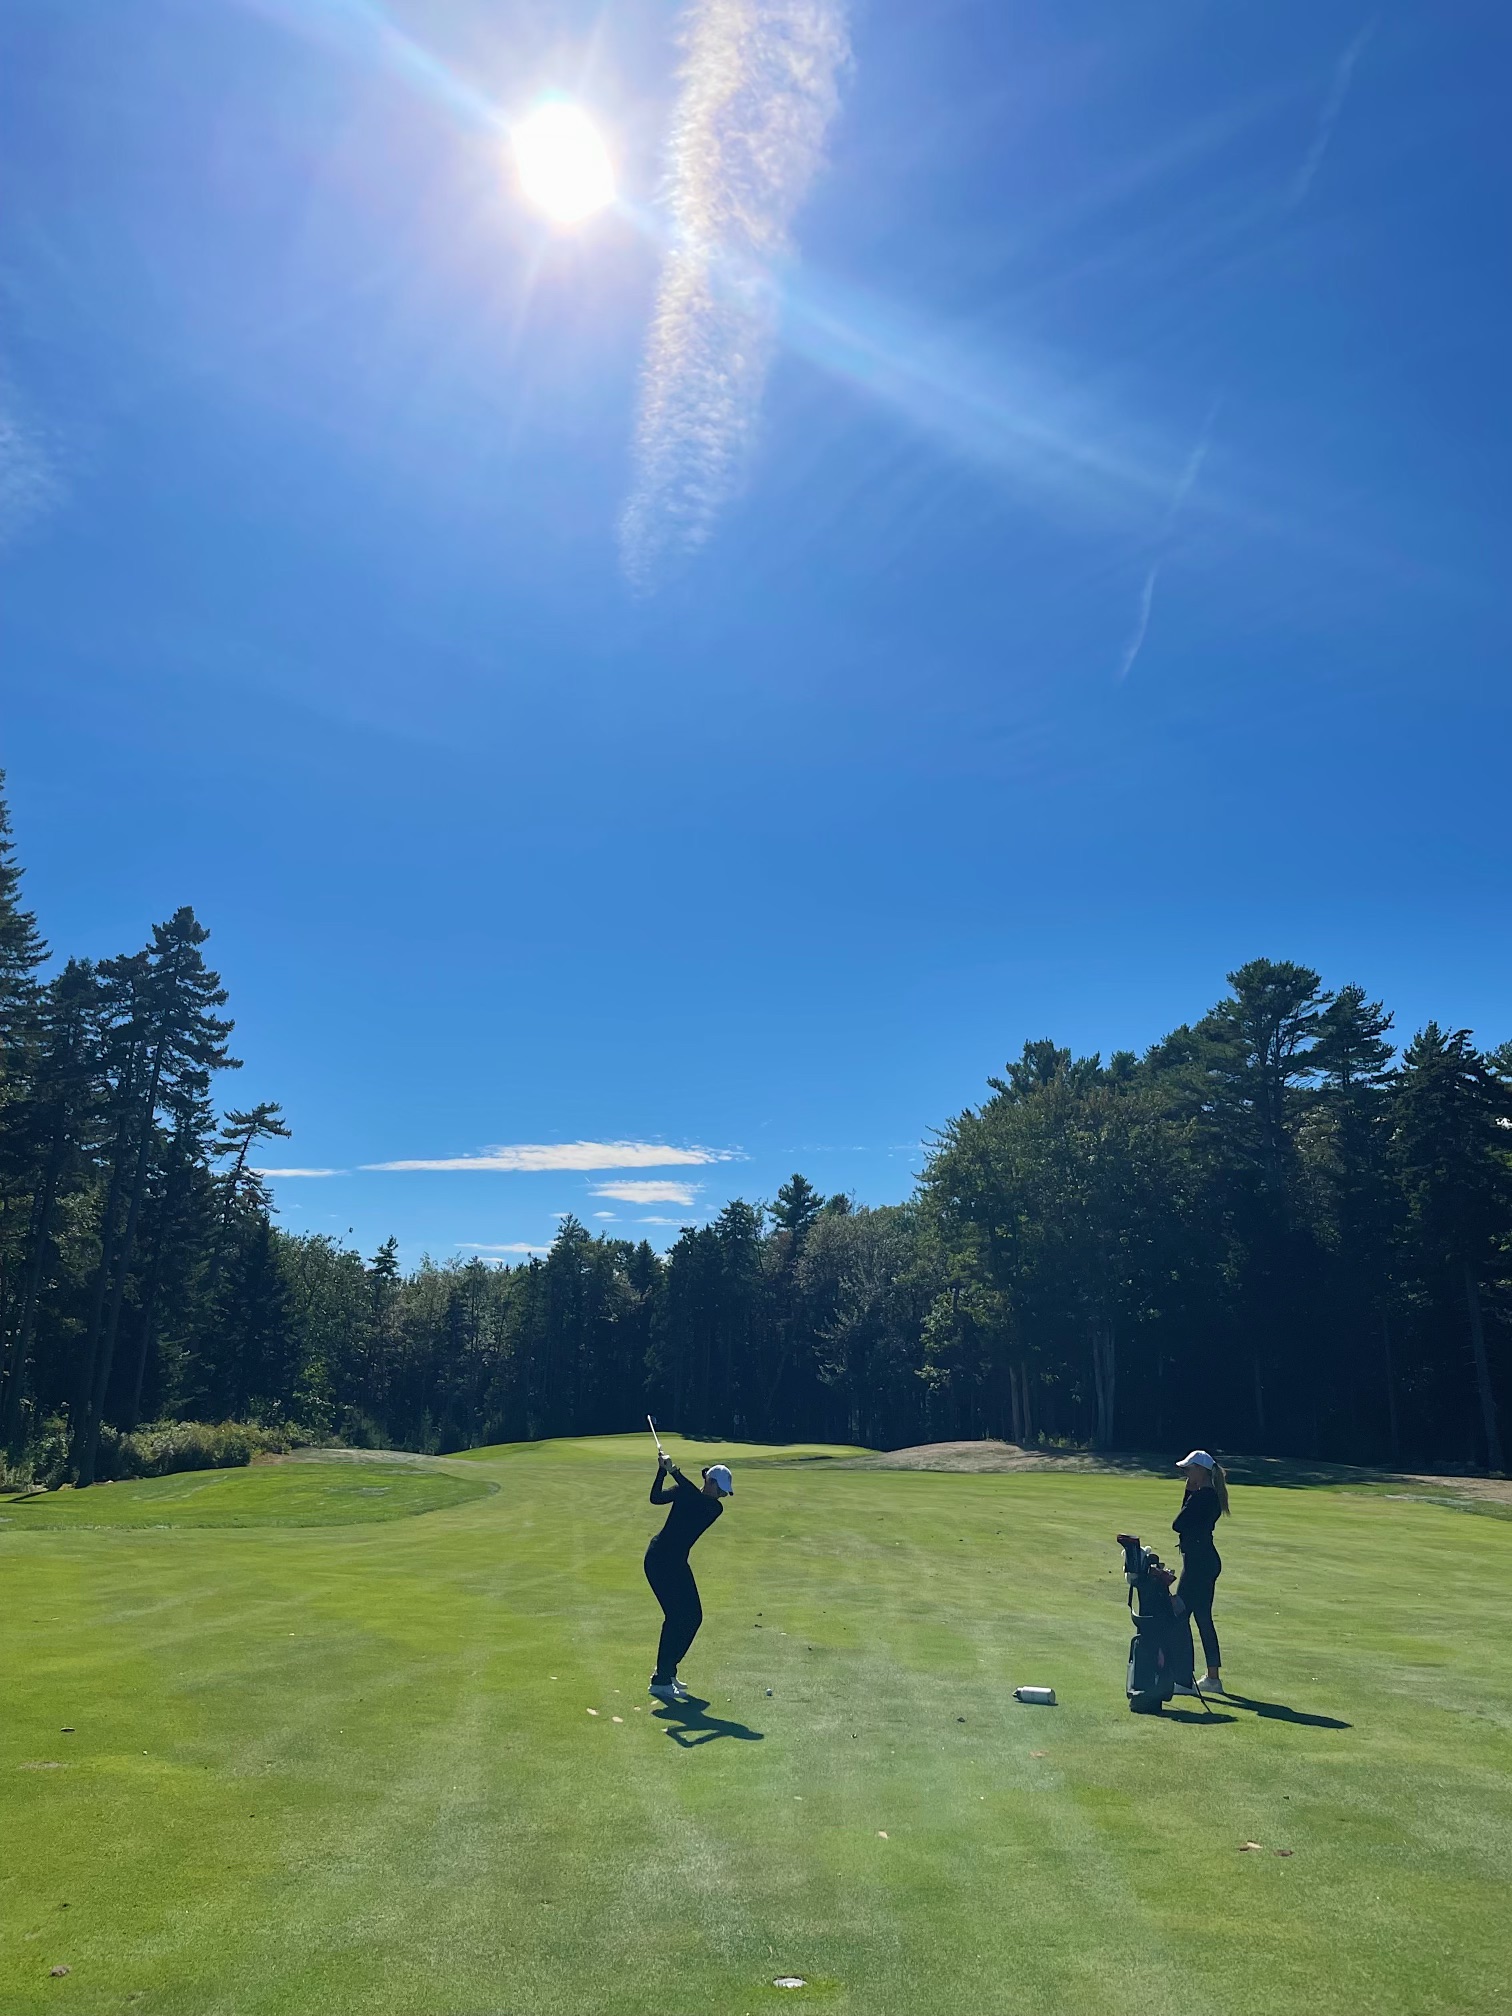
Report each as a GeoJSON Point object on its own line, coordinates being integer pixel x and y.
{"type": "Point", "coordinates": [1196, 1717]}
{"type": "Point", "coordinates": [1277, 1711]}
{"type": "Point", "coordinates": [689, 1726]}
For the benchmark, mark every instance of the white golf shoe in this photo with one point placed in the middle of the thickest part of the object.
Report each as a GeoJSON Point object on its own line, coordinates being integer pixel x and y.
{"type": "Point", "coordinates": [665, 1690]}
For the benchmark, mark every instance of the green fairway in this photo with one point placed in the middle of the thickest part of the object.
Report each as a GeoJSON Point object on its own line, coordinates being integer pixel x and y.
{"type": "Point", "coordinates": [271, 1763]}
{"type": "Point", "coordinates": [295, 1494]}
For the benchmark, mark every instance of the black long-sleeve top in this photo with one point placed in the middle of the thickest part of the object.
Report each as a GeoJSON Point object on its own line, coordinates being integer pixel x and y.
{"type": "Point", "coordinates": [1194, 1523]}
{"type": "Point", "coordinates": [692, 1514]}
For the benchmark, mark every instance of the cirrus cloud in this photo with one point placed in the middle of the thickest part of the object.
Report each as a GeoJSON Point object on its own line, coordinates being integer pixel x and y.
{"type": "Point", "coordinates": [541, 1155]}
{"type": "Point", "coordinates": [648, 1192]}
{"type": "Point", "coordinates": [760, 85]}
{"type": "Point", "coordinates": [513, 1246]}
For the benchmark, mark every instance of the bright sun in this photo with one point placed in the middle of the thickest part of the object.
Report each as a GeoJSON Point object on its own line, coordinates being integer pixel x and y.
{"type": "Point", "coordinates": [563, 162]}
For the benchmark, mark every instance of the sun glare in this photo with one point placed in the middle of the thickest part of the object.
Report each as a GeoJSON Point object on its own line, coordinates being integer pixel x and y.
{"type": "Point", "coordinates": [563, 163]}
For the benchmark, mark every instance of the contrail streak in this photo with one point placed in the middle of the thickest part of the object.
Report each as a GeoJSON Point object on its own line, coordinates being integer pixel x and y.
{"type": "Point", "coordinates": [1328, 117]}
{"type": "Point", "coordinates": [1141, 627]}
{"type": "Point", "coordinates": [1185, 483]}
{"type": "Point", "coordinates": [1192, 468]}
{"type": "Point", "coordinates": [760, 86]}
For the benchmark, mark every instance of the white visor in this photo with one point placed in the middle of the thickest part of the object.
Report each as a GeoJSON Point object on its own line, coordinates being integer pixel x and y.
{"type": "Point", "coordinates": [721, 1479]}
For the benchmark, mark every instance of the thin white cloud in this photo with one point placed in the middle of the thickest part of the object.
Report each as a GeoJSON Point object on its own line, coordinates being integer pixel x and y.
{"type": "Point", "coordinates": [647, 1193]}
{"type": "Point", "coordinates": [1328, 116]}
{"type": "Point", "coordinates": [1191, 469]}
{"type": "Point", "coordinates": [514, 1246]}
{"type": "Point", "coordinates": [1141, 628]}
{"type": "Point", "coordinates": [658, 1221]}
{"type": "Point", "coordinates": [760, 85]}
{"type": "Point", "coordinates": [1185, 484]}
{"type": "Point", "coordinates": [529, 1155]}
{"type": "Point", "coordinates": [29, 482]}
{"type": "Point", "coordinates": [613, 1216]}
{"type": "Point", "coordinates": [299, 1172]}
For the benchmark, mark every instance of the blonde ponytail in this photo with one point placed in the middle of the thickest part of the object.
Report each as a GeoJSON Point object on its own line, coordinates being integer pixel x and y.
{"type": "Point", "coordinates": [1220, 1485]}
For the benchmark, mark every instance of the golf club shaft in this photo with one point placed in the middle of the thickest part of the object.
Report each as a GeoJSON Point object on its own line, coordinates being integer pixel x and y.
{"type": "Point", "coordinates": [656, 1438]}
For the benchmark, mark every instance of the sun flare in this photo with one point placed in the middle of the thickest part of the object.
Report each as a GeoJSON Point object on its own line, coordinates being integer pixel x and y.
{"type": "Point", "coordinates": [563, 164]}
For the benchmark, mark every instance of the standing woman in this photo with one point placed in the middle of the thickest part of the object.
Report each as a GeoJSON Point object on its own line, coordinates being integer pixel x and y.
{"type": "Point", "coordinates": [1204, 1505]}
{"type": "Point", "coordinates": [693, 1513]}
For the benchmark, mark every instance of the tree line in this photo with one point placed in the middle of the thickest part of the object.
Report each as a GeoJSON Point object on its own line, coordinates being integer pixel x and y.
{"type": "Point", "coordinates": [1273, 1231]}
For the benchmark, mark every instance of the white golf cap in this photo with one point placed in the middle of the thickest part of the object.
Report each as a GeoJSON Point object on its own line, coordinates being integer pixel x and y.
{"type": "Point", "coordinates": [721, 1479]}
{"type": "Point", "coordinates": [1201, 1458]}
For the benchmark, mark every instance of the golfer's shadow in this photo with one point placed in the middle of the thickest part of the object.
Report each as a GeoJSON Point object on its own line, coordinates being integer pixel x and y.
{"type": "Point", "coordinates": [1277, 1711]}
{"type": "Point", "coordinates": [690, 1727]}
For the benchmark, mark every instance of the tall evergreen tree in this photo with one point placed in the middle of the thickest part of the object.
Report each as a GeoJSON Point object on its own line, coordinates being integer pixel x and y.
{"type": "Point", "coordinates": [1453, 1141]}
{"type": "Point", "coordinates": [172, 1041]}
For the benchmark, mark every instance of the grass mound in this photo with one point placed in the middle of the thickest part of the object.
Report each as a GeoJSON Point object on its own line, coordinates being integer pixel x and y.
{"type": "Point", "coordinates": [298, 1494]}
{"type": "Point", "coordinates": [410, 1769]}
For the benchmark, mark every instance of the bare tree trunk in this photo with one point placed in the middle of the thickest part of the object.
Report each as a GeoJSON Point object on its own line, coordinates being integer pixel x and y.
{"type": "Point", "coordinates": [1026, 1390]}
{"type": "Point", "coordinates": [86, 1380]}
{"type": "Point", "coordinates": [1105, 1384]}
{"type": "Point", "coordinates": [145, 1342]}
{"type": "Point", "coordinates": [105, 1353]}
{"type": "Point", "coordinates": [19, 1354]}
{"type": "Point", "coordinates": [1259, 1403]}
{"type": "Point", "coordinates": [1393, 1425]}
{"type": "Point", "coordinates": [1489, 1423]}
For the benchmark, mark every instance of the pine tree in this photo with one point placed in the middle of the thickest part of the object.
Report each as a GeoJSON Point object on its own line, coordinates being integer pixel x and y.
{"type": "Point", "coordinates": [1452, 1120]}
{"type": "Point", "coordinates": [52, 1136]}
{"type": "Point", "coordinates": [1347, 1142]}
{"type": "Point", "coordinates": [170, 1041]}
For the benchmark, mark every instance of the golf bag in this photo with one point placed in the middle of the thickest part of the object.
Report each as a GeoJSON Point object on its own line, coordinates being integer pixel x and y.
{"type": "Point", "coordinates": [1157, 1651]}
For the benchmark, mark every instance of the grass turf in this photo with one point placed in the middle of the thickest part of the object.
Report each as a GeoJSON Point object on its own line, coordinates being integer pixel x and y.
{"type": "Point", "coordinates": [303, 1494]}
{"type": "Point", "coordinates": [350, 1768]}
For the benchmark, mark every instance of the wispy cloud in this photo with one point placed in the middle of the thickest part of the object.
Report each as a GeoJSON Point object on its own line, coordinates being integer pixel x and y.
{"type": "Point", "coordinates": [537, 1155]}
{"type": "Point", "coordinates": [658, 1221]}
{"type": "Point", "coordinates": [612, 1216]}
{"type": "Point", "coordinates": [648, 1193]}
{"type": "Point", "coordinates": [29, 482]}
{"type": "Point", "coordinates": [300, 1172]}
{"type": "Point", "coordinates": [1141, 627]}
{"type": "Point", "coordinates": [1191, 469]}
{"type": "Point", "coordinates": [760, 85]}
{"type": "Point", "coordinates": [1181, 490]}
{"type": "Point", "coordinates": [1328, 114]}
{"type": "Point", "coordinates": [482, 1246]}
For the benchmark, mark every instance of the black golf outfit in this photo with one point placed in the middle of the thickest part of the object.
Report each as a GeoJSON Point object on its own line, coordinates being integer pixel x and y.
{"type": "Point", "coordinates": [667, 1567]}
{"type": "Point", "coordinates": [1200, 1568]}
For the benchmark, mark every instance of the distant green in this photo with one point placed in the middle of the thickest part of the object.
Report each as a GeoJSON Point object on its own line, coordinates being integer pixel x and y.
{"type": "Point", "coordinates": [348, 1768]}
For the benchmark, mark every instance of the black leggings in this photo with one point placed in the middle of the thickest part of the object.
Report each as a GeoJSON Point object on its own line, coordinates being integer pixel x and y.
{"type": "Point", "coordinates": [1196, 1587]}
{"type": "Point", "coordinates": [674, 1588]}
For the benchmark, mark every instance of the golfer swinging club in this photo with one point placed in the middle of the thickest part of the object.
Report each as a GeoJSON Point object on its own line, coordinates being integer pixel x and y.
{"type": "Point", "coordinates": [693, 1513]}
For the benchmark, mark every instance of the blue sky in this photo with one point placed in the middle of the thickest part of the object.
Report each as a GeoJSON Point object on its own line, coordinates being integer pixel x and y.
{"type": "Point", "coordinates": [1104, 579]}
